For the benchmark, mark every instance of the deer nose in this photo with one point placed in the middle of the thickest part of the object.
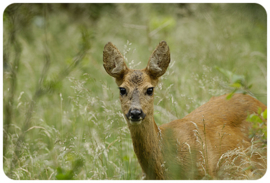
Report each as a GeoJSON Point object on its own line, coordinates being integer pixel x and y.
{"type": "Point", "coordinates": [135, 115]}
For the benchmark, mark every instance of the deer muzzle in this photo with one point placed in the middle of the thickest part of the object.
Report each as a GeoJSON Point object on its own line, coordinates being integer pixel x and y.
{"type": "Point", "coordinates": [135, 116]}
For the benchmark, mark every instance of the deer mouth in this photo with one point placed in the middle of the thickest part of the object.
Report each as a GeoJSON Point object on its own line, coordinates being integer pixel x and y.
{"type": "Point", "coordinates": [135, 121]}
{"type": "Point", "coordinates": [132, 122]}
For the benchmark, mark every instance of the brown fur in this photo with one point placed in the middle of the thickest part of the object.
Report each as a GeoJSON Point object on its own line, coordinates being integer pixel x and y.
{"type": "Point", "coordinates": [220, 124]}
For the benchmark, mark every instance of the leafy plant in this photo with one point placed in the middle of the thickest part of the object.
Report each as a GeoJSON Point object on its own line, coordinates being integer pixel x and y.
{"type": "Point", "coordinates": [237, 83]}
{"type": "Point", "coordinates": [259, 128]}
{"type": "Point", "coordinates": [69, 174]}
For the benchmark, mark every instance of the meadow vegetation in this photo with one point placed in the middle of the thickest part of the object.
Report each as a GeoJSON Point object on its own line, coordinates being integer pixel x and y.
{"type": "Point", "coordinates": [62, 116]}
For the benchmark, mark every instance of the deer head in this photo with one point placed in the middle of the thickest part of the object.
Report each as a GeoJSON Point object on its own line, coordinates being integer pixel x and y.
{"type": "Point", "coordinates": [136, 86]}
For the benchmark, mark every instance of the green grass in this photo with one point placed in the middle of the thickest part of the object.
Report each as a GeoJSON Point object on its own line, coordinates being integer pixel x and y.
{"type": "Point", "coordinates": [75, 128]}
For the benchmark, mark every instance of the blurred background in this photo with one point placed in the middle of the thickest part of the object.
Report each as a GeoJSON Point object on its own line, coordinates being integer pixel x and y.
{"type": "Point", "coordinates": [62, 116]}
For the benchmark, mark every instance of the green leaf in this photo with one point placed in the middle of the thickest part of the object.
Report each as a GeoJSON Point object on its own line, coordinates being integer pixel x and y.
{"type": "Point", "coordinates": [264, 114]}
{"type": "Point", "coordinates": [59, 170]}
{"type": "Point", "coordinates": [237, 78]}
{"type": "Point", "coordinates": [229, 96]}
{"type": "Point", "coordinates": [247, 168]}
{"type": "Point", "coordinates": [78, 163]}
{"type": "Point", "coordinates": [259, 110]}
{"type": "Point", "coordinates": [125, 158]}
{"type": "Point", "coordinates": [254, 118]}
{"type": "Point", "coordinates": [226, 73]}
{"type": "Point", "coordinates": [234, 78]}
{"type": "Point", "coordinates": [63, 175]}
{"type": "Point", "coordinates": [236, 85]}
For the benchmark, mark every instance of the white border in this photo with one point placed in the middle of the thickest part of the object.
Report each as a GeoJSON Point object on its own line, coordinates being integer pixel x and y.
{"type": "Point", "coordinates": [4, 4]}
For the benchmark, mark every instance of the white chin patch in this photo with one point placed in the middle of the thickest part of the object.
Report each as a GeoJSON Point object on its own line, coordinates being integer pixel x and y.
{"type": "Point", "coordinates": [135, 122]}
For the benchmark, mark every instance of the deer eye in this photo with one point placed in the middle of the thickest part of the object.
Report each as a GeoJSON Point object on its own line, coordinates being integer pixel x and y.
{"type": "Point", "coordinates": [123, 91]}
{"type": "Point", "coordinates": [150, 91]}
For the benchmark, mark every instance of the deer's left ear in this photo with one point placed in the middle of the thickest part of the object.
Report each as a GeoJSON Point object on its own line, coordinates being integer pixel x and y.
{"type": "Point", "coordinates": [113, 61]}
{"type": "Point", "coordinates": [159, 60]}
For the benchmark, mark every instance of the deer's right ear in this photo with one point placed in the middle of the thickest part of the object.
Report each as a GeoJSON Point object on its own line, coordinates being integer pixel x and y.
{"type": "Point", "coordinates": [113, 61]}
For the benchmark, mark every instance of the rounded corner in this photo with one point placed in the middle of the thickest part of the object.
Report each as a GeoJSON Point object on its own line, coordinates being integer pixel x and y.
{"type": "Point", "coordinates": [264, 176]}
{"type": "Point", "coordinates": [9, 6]}
{"type": "Point", "coordinates": [6, 176]}
{"type": "Point", "coordinates": [261, 5]}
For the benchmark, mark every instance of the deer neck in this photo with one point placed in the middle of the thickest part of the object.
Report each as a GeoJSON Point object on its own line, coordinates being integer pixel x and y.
{"type": "Point", "coordinates": [147, 147]}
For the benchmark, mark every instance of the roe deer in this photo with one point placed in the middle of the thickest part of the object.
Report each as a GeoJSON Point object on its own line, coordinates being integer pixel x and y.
{"type": "Point", "coordinates": [172, 150]}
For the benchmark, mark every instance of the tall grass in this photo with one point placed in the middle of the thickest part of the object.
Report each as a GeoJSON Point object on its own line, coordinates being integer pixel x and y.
{"type": "Point", "coordinates": [62, 116]}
